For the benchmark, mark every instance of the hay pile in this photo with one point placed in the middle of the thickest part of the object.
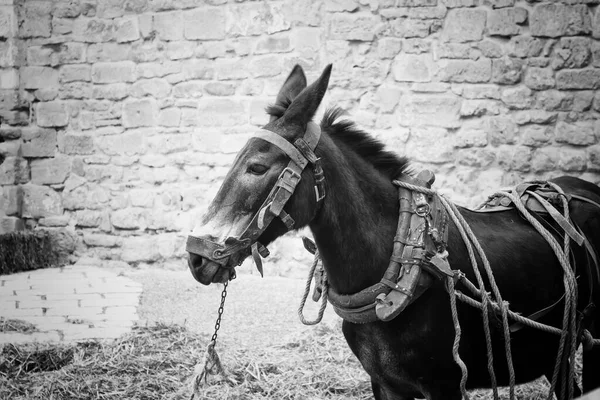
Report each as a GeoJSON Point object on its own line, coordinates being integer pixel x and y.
{"type": "Point", "coordinates": [157, 362]}
{"type": "Point", "coordinates": [25, 251]}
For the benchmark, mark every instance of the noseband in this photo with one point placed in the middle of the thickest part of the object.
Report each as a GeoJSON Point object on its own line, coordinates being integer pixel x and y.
{"type": "Point", "coordinates": [301, 154]}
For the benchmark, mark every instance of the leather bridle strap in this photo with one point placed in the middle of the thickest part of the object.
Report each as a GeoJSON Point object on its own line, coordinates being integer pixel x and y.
{"type": "Point", "coordinates": [301, 153]}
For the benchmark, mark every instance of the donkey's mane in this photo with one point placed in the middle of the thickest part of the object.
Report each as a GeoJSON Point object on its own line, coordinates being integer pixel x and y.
{"type": "Point", "coordinates": [363, 144]}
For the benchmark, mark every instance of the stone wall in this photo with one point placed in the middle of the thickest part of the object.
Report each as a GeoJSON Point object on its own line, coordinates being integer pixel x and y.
{"type": "Point", "coordinates": [120, 118]}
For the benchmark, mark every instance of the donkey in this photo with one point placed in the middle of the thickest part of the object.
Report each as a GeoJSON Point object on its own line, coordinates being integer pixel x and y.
{"type": "Point", "coordinates": [350, 204]}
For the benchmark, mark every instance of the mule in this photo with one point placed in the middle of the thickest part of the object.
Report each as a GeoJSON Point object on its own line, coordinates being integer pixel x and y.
{"type": "Point", "coordinates": [354, 226]}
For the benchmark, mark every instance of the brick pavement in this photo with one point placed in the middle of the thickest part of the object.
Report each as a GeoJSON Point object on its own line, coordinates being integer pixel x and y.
{"type": "Point", "coordinates": [70, 303]}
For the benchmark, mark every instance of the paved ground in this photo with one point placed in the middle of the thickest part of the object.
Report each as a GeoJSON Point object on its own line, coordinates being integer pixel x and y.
{"type": "Point", "coordinates": [70, 303]}
{"type": "Point", "coordinates": [91, 302]}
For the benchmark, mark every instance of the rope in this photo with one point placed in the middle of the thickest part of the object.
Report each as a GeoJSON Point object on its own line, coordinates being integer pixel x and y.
{"type": "Point", "coordinates": [568, 338]}
{"type": "Point", "coordinates": [456, 344]}
{"type": "Point", "coordinates": [306, 292]}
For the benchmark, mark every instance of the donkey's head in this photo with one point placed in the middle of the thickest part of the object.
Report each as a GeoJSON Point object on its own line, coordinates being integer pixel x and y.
{"type": "Point", "coordinates": [269, 189]}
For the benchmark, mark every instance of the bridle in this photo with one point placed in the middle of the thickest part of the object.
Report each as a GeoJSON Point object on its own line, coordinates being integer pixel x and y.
{"type": "Point", "coordinates": [301, 154]}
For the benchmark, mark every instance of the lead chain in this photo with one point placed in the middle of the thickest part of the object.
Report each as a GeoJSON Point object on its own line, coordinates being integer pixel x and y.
{"type": "Point", "coordinates": [220, 312]}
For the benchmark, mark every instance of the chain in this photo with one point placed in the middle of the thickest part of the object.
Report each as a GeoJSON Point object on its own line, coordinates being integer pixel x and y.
{"type": "Point", "coordinates": [221, 307]}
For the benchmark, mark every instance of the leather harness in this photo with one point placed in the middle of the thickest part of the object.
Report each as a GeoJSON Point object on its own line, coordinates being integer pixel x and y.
{"type": "Point", "coordinates": [301, 154]}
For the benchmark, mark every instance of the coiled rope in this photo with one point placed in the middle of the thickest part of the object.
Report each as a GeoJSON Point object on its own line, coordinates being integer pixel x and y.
{"type": "Point", "coordinates": [311, 273]}
{"type": "Point", "coordinates": [568, 339]}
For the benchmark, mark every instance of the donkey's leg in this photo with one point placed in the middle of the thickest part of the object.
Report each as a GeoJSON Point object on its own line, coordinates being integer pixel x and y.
{"type": "Point", "coordinates": [591, 360]}
{"type": "Point", "coordinates": [558, 388]}
{"type": "Point", "coordinates": [382, 393]}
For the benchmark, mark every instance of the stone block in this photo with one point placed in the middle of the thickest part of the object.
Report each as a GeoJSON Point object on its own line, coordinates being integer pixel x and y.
{"type": "Point", "coordinates": [470, 136]}
{"type": "Point", "coordinates": [464, 25]}
{"type": "Point", "coordinates": [129, 218]}
{"type": "Point", "coordinates": [100, 240]}
{"type": "Point", "coordinates": [417, 46]}
{"type": "Point", "coordinates": [10, 133]}
{"type": "Point", "coordinates": [253, 19]}
{"type": "Point", "coordinates": [113, 72]}
{"type": "Point", "coordinates": [478, 158]}
{"type": "Point", "coordinates": [9, 79]}
{"type": "Point", "coordinates": [572, 160]}
{"type": "Point", "coordinates": [203, 69]}
{"type": "Point", "coordinates": [77, 144]}
{"type": "Point", "coordinates": [413, 28]}
{"type": "Point", "coordinates": [430, 145]}
{"type": "Point", "coordinates": [219, 88]}
{"type": "Point", "coordinates": [8, 53]}
{"type": "Point", "coordinates": [40, 202]}
{"type": "Point", "coordinates": [111, 91]}
{"type": "Point", "coordinates": [168, 25]}
{"type": "Point", "coordinates": [11, 199]}
{"type": "Point", "coordinates": [501, 130]}
{"type": "Point", "coordinates": [359, 26]}
{"type": "Point", "coordinates": [595, 53]}
{"type": "Point", "coordinates": [413, 68]}
{"type": "Point", "coordinates": [39, 77]}
{"type": "Point", "coordinates": [48, 171]}
{"type": "Point", "coordinates": [545, 159]}
{"type": "Point", "coordinates": [387, 97]}
{"type": "Point", "coordinates": [588, 78]}
{"type": "Point", "coordinates": [228, 69]}
{"type": "Point", "coordinates": [156, 87]}
{"type": "Point", "coordinates": [180, 50]}
{"type": "Point", "coordinates": [54, 222]}
{"type": "Point", "coordinates": [62, 26]}
{"type": "Point", "coordinates": [506, 21]}
{"type": "Point", "coordinates": [8, 23]}
{"type": "Point", "coordinates": [580, 133]}
{"type": "Point", "coordinates": [206, 23]}
{"type": "Point", "coordinates": [88, 218]}
{"type": "Point", "coordinates": [460, 3]}
{"type": "Point", "coordinates": [525, 46]}
{"type": "Point", "coordinates": [571, 52]}
{"type": "Point", "coordinates": [38, 142]}
{"type": "Point", "coordinates": [490, 49]}
{"type": "Point", "coordinates": [553, 100]}
{"type": "Point", "coordinates": [535, 117]}
{"type": "Point", "coordinates": [518, 97]}
{"type": "Point", "coordinates": [221, 112]}
{"type": "Point", "coordinates": [536, 135]}
{"type": "Point", "coordinates": [11, 224]}
{"type": "Point", "coordinates": [555, 19]}
{"type": "Point", "coordinates": [35, 19]}
{"type": "Point", "coordinates": [127, 29]}
{"type": "Point", "coordinates": [507, 71]}
{"type": "Point", "coordinates": [465, 70]}
{"type": "Point", "coordinates": [109, 52]}
{"type": "Point", "coordinates": [127, 143]}
{"type": "Point", "coordinates": [14, 170]}
{"type": "Point", "coordinates": [75, 90]}
{"type": "Point", "coordinates": [265, 66]}
{"type": "Point", "coordinates": [139, 112]}
{"type": "Point", "coordinates": [388, 48]}
{"type": "Point", "coordinates": [429, 109]}
{"type": "Point", "coordinates": [169, 117]}
{"type": "Point", "coordinates": [539, 78]}
{"type": "Point", "coordinates": [596, 24]}
{"type": "Point", "coordinates": [94, 30]}
{"type": "Point", "coordinates": [477, 108]}
{"type": "Point", "coordinates": [73, 73]}
{"type": "Point", "coordinates": [52, 114]}
{"type": "Point", "coordinates": [274, 44]}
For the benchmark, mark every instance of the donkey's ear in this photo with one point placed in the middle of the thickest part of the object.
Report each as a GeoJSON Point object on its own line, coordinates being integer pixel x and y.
{"type": "Point", "coordinates": [304, 107]}
{"type": "Point", "coordinates": [292, 87]}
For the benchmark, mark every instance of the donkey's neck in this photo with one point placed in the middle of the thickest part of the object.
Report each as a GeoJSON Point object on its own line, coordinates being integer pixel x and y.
{"type": "Point", "coordinates": [355, 227]}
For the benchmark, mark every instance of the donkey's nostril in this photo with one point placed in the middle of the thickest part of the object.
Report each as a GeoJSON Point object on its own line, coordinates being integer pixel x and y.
{"type": "Point", "coordinates": [195, 261]}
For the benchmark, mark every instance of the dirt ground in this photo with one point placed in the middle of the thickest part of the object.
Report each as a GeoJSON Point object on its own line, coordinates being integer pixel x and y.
{"type": "Point", "coordinates": [258, 311]}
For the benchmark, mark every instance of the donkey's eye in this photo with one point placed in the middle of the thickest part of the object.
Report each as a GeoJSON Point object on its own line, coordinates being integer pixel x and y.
{"type": "Point", "coordinates": [257, 169]}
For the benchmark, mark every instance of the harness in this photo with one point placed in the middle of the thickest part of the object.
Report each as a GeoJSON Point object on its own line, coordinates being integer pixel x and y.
{"type": "Point", "coordinates": [420, 243]}
{"type": "Point", "coordinates": [301, 154]}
